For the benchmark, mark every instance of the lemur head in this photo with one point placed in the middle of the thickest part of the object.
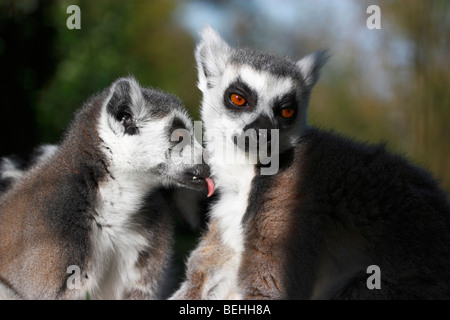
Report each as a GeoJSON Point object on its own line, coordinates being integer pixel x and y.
{"type": "Point", "coordinates": [246, 89]}
{"type": "Point", "coordinates": [148, 134]}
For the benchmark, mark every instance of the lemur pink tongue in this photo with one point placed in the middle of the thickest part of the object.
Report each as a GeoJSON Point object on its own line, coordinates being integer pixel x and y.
{"type": "Point", "coordinates": [211, 186]}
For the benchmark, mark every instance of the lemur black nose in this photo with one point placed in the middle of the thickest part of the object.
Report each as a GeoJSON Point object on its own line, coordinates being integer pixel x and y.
{"type": "Point", "coordinates": [200, 171]}
{"type": "Point", "coordinates": [262, 122]}
{"type": "Point", "coordinates": [199, 178]}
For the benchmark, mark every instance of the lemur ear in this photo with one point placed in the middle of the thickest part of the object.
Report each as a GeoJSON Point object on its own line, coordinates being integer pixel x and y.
{"type": "Point", "coordinates": [211, 55]}
{"type": "Point", "coordinates": [311, 65]}
{"type": "Point", "coordinates": [124, 104]}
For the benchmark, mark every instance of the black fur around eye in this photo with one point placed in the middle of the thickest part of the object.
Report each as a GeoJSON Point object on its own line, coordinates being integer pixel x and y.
{"type": "Point", "coordinates": [124, 116]}
{"type": "Point", "coordinates": [285, 107]}
{"type": "Point", "coordinates": [240, 97]}
{"type": "Point", "coordinates": [122, 111]}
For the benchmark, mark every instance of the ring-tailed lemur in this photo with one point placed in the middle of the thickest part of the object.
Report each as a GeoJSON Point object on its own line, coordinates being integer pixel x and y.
{"type": "Point", "coordinates": [87, 217]}
{"type": "Point", "coordinates": [334, 208]}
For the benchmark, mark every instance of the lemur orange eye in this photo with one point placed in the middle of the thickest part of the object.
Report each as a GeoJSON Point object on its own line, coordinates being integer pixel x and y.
{"type": "Point", "coordinates": [287, 113]}
{"type": "Point", "coordinates": [237, 100]}
{"type": "Point", "coordinates": [180, 135]}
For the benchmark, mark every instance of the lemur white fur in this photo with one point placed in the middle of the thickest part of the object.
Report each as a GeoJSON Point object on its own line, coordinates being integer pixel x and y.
{"type": "Point", "coordinates": [115, 155]}
{"type": "Point", "coordinates": [9, 170]}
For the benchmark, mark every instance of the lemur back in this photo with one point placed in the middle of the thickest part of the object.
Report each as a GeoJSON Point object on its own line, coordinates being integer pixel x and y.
{"type": "Point", "coordinates": [13, 167]}
{"type": "Point", "coordinates": [348, 206]}
{"type": "Point", "coordinates": [330, 208]}
{"type": "Point", "coordinates": [89, 219]}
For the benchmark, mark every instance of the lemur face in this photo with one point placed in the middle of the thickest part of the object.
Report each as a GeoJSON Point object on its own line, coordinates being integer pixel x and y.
{"type": "Point", "coordinates": [149, 133]}
{"type": "Point", "coordinates": [247, 99]}
{"type": "Point", "coordinates": [245, 89]}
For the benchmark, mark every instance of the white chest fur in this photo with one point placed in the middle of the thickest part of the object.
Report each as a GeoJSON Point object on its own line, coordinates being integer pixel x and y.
{"type": "Point", "coordinates": [116, 240]}
{"type": "Point", "coordinates": [235, 188]}
{"type": "Point", "coordinates": [234, 182]}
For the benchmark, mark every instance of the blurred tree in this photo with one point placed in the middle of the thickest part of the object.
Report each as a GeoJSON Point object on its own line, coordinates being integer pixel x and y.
{"type": "Point", "coordinates": [425, 96]}
{"type": "Point", "coordinates": [117, 38]}
{"type": "Point", "coordinates": [27, 61]}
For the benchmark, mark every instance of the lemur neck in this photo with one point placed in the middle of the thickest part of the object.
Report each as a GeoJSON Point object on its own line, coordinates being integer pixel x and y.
{"type": "Point", "coordinates": [116, 192]}
{"type": "Point", "coordinates": [234, 184]}
{"type": "Point", "coordinates": [122, 194]}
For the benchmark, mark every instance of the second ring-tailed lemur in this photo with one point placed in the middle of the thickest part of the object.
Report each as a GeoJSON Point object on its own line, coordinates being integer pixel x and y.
{"type": "Point", "coordinates": [12, 168]}
{"type": "Point", "coordinates": [87, 217]}
{"type": "Point", "coordinates": [335, 210]}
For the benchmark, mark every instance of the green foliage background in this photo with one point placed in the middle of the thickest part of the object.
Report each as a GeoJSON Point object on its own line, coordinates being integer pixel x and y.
{"type": "Point", "coordinates": [117, 38]}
